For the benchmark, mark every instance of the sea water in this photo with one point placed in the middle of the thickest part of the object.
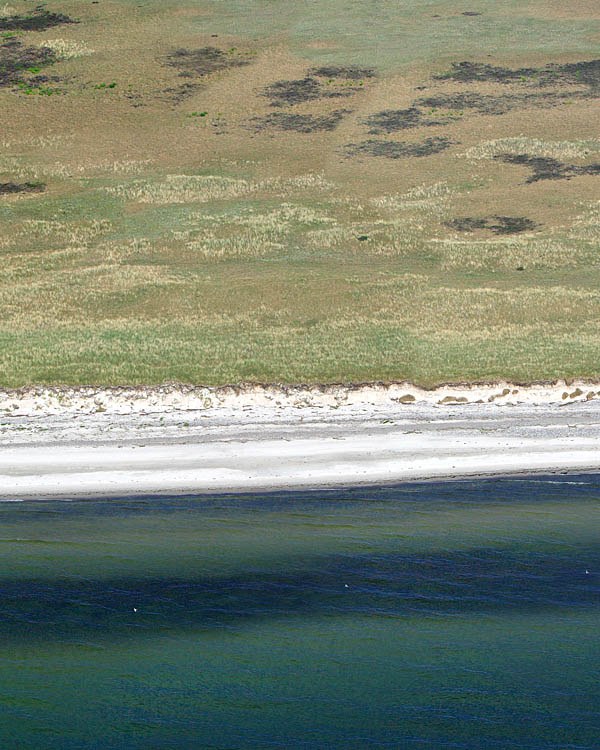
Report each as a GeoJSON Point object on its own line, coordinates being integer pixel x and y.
{"type": "Point", "coordinates": [435, 615]}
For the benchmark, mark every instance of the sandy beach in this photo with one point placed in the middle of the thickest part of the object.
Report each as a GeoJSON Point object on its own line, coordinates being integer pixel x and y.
{"type": "Point", "coordinates": [172, 439]}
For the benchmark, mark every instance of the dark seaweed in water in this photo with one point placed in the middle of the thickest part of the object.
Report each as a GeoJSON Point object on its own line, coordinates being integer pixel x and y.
{"type": "Point", "coordinates": [299, 123]}
{"type": "Point", "coordinates": [496, 224]}
{"type": "Point", "coordinates": [398, 149]}
{"type": "Point", "coordinates": [548, 169]}
{"type": "Point", "coordinates": [350, 72]}
{"type": "Point", "coordinates": [39, 20]}
{"type": "Point", "coordinates": [15, 60]}
{"type": "Point", "coordinates": [203, 61]}
{"type": "Point", "coordinates": [587, 73]}
{"type": "Point", "coordinates": [392, 120]}
{"type": "Point", "coordinates": [8, 188]}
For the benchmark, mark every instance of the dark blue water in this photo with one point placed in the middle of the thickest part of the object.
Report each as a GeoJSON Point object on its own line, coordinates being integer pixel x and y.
{"type": "Point", "coordinates": [455, 615]}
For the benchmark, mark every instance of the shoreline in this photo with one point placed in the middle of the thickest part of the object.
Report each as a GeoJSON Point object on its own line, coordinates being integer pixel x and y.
{"type": "Point", "coordinates": [523, 475]}
{"type": "Point", "coordinates": [44, 400]}
{"type": "Point", "coordinates": [252, 447]}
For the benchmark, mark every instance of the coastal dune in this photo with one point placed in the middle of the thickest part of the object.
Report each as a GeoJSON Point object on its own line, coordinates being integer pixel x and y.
{"type": "Point", "coordinates": [175, 396]}
{"type": "Point", "coordinates": [59, 442]}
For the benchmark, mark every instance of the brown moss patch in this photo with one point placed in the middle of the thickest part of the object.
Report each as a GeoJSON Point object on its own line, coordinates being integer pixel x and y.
{"type": "Point", "coordinates": [329, 82]}
{"type": "Point", "coordinates": [10, 188]}
{"type": "Point", "coordinates": [398, 149]}
{"type": "Point", "coordinates": [544, 168]}
{"type": "Point", "coordinates": [39, 20]}
{"type": "Point", "coordinates": [16, 61]}
{"type": "Point", "coordinates": [299, 123]}
{"type": "Point", "coordinates": [501, 225]}
{"type": "Point", "coordinates": [202, 62]}
{"type": "Point", "coordinates": [585, 72]}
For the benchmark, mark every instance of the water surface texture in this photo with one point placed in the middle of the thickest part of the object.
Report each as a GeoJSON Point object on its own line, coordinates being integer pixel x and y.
{"type": "Point", "coordinates": [454, 615]}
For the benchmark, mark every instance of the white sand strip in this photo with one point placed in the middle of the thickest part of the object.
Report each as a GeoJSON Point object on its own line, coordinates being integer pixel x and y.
{"type": "Point", "coordinates": [278, 447]}
{"type": "Point", "coordinates": [133, 400]}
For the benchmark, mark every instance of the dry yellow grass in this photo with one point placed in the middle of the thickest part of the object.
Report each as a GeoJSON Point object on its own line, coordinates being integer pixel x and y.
{"type": "Point", "coordinates": [577, 149]}
{"type": "Point", "coordinates": [177, 239]}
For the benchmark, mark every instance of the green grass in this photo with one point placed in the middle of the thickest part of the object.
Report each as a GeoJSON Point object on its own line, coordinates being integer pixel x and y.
{"type": "Point", "coordinates": [401, 32]}
{"type": "Point", "coordinates": [219, 353]}
{"type": "Point", "coordinates": [176, 241]}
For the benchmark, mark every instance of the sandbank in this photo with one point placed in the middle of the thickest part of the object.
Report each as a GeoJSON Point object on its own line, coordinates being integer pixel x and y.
{"type": "Point", "coordinates": [172, 439]}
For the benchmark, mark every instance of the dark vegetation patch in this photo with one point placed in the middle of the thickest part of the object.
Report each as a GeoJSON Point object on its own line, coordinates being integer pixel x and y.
{"type": "Point", "coordinates": [196, 64]}
{"type": "Point", "coordinates": [135, 98]}
{"type": "Point", "coordinates": [39, 20]}
{"type": "Point", "coordinates": [460, 102]}
{"type": "Point", "coordinates": [467, 224]}
{"type": "Point", "coordinates": [493, 105]}
{"type": "Point", "coordinates": [339, 81]}
{"type": "Point", "coordinates": [349, 72]}
{"type": "Point", "coordinates": [548, 169]}
{"type": "Point", "coordinates": [9, 188]}
{"type": "Point", "coordinates": [16, 61]}
{"type": "Point", "coordinates": [293, 92]}
{"type": "Point", "coordinates": [40, 85]}
{"type": "Point", "coordinates": [398, 149]}
{"type": "Point", "coordinates": [471, 13]}
{"type": "Point", "coordinates": [299, 123]}
{"type": "Point", "coordinates": [174, 94]}
{"type": "Point", "coordinates": [393, 120]}
{"type": "Point", "coordinates": [442, 109]}
{"type": "Point", "coordinates": [497, 224]}
{"type": "Point", "coordinates": [587, 73]}
{"type": "Point", "coordinates": [423, 111]}
{"type": "Point", "coordinates": [204, 61]}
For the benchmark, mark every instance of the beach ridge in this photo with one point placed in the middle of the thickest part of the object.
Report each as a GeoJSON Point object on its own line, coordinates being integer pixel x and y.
{"type": "Point", "coordinates": [38, 400]}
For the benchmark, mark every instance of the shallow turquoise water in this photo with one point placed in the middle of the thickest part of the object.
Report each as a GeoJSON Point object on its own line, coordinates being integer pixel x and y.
{"type": "Point", "coordinates": [457, 614]}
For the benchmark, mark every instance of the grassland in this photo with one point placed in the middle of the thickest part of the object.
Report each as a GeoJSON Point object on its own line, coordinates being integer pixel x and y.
{"type": "Point", "coordinates": [213, 192]}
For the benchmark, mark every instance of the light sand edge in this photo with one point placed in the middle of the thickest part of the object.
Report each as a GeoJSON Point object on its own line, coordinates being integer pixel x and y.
{"type": "Point", "coordinates": [258, 448]}
{"type": "Point", "coordinates": [39, 400]}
